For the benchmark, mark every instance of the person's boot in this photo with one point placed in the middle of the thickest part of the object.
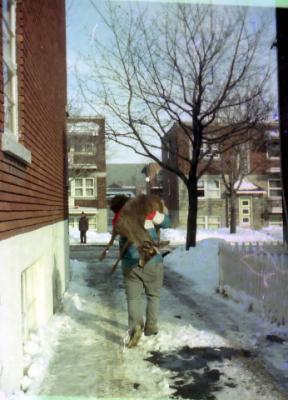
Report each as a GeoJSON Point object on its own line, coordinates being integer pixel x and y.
{"type": "Point", "coordinates": [134, 337]}
{"type": "Point", "coordinates": [150, 330]}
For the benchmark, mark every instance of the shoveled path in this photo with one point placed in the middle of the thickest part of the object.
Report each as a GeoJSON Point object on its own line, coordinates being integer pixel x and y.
{"type": "Point", "coordinates": [90, 359]}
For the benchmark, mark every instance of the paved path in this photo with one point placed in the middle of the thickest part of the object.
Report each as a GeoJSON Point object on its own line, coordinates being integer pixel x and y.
{"type": "Point", "coordinates": [89, 359]}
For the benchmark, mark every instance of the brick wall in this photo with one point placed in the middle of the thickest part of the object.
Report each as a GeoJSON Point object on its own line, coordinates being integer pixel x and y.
{"type": "Point", "coordinates": [34, 195]}
{"type": "Point", "coordinates": [101, 190]}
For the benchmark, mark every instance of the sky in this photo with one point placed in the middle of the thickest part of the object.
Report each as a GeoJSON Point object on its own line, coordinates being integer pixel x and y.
{"type": "Point", "coordinates": [83, 24]}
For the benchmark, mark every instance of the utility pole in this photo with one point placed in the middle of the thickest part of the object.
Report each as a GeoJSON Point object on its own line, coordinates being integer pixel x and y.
{"type": "Point", "coordinates": [282, 57]}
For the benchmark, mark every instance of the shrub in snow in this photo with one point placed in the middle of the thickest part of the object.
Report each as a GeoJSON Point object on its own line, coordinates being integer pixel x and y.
{"type": "Point", "coordinates": [34, 338]}
{"type": "Point", "coordinates": [26, 361]}
{"type": "Point", "coordinates": [35, 370]}
{"type": "Point", "coordinates": [25, 383]}
{"type": "Point", "coordinates": [31, 348]}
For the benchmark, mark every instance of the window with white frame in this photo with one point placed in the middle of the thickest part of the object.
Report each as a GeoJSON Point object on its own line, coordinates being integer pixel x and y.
{"type": "Point", "coordinates": [208, 222]}
{"type": "Point", "coordinates": [209, 189]}
{"type": "Point", "coordinates": [85, 148]}
{"type": "Point", "coordinates": [274, 188]}
{"type": "Point", "coordinates": [209, 150]}
{"type": "Point", "coordinates": [10, 67]}
{"type": "Point", "coordinates": [213, 189]}
{"type": "Point", "coordinates": [10, 138]}
{"type": "Point", "coordinates": [84, 187]}
{"type": "Point", "coordinates": [201, 188]}
{"type": "Point", "coordinates": [275, 220]}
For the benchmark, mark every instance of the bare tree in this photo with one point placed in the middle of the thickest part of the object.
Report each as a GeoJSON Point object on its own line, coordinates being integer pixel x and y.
{"type": "Point", "coordinates": [201, 64]}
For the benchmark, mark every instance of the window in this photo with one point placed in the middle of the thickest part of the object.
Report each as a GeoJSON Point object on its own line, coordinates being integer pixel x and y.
{"type": "Point", "coordinates": [10, 67]}
{"type": "Point", "coordinates": [275, 220]}
{"type": "Point", "coordinates": [84, 187]}
{"type": "Point", "coordinates": [201, 189]}
{"type": "Point", "coordinates": [245, 211]}
{"type": "Point", "coordinates": [209, 150]}
{"type": "Point", "coordinates": [86, 148]}
{"type": "Point", "coordinates": [208, 222]}
{"type": "Point", "coordinates": [209, 189]}
{"type": "Point", "coordinates": [273, 149]}
{"type": "Point", "coordinates": [274, 188]}
{"type": "Point", "coordinates": [10, 142]}
{"type": "Point", "coordinates": [213, 189]}
{"type": "Point", "coordinates": [201, 222]}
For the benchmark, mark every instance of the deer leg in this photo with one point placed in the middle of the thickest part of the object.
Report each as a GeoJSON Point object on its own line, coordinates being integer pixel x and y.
{"type": "Point", "coordinates": [121, 254]}
{"type": "Point", "coordinates": [157, 228]}
{"type": "Point", "coordinates": [106, 250]}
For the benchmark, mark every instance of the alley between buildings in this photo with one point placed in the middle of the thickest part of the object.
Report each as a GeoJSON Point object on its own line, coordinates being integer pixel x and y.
{"type": "Point", "coordinates": [199, 353]}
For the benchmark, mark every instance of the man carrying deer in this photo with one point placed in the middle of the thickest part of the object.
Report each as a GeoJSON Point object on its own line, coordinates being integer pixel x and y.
{"type": "Point", "coordinates": [142, 264]}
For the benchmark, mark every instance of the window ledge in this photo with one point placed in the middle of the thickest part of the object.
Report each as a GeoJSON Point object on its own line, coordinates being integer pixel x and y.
{"type": "Point", "coordinates": [15, 149]}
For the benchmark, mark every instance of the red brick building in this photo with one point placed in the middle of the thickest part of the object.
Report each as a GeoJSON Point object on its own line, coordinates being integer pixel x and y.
{"type": "Point", "coordinates": [33, 199]}
{"type": "Point", "coordinates": [259, 197]}
{"type": "Point", "coordinates": [87, 171]}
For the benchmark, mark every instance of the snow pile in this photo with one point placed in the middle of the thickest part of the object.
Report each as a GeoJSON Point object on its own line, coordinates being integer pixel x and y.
{"type": "Point", "coordinates": [175, 337]}
{"type": "Point", "coordinates": [175, 236]}
{"type": "Point", "coordinates": [178, 236]}
{"type": "Point", "coordinates": [199, 264]}
{"type": "Point", "coordinates": [37, 354]}
{"type": "Point", "coordinates": [241, 235]}
{"type": "Point", "coordinates": [276, 232]}
{"type": "Point", "coordinates": [34, 364]}
{"type": "Point", "coordinates": [200, 267]}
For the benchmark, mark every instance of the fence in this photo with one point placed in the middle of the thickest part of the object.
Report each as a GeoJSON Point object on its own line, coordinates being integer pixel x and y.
{"type": "Point", "coordinates": [258, 272]}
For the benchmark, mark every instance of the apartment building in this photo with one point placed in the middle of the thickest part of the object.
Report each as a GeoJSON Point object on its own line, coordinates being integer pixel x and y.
{"type": "Point", "coordinates": [87, 171]}
{"type": "Point", "coordinates": [259, 193]}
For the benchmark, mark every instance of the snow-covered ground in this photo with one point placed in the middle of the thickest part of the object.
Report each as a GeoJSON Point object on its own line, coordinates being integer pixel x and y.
{"type": "Point", "coordinates": [178, 236]}
{"type": "Point", "coordinates": [198, 268]}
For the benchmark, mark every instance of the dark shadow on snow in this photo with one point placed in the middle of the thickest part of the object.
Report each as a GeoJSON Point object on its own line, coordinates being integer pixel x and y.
{"type": "Point", "coordinates": [194, 379]}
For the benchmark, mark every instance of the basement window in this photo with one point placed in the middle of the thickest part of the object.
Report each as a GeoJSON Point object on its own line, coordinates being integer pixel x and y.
{"type": "Point", "coordinates": [10, 137]}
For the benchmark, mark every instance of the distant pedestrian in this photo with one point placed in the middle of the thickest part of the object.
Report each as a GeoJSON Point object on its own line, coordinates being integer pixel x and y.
{"type": "Point", "coordinates": [83, 227]}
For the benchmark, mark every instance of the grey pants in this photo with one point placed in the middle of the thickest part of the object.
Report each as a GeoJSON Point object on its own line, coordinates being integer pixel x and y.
{"type": "Point", "coordinates": [139, 282]}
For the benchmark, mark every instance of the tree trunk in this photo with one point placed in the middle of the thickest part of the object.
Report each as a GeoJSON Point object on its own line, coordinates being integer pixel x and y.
{"type": "Point", "coordinates": [227, 211]}
{"type": "Point", "coordinates": [233, 213]}
{"type": "Point", "coordinates": [192, 213]}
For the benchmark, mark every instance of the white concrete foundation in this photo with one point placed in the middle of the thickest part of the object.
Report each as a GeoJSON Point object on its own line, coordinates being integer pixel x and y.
{"type": "Point", "coordinates": [34, 275]}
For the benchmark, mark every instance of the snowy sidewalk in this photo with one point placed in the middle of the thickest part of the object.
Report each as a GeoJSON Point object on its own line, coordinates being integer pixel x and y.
{"type": "Point", "coordinates": [194, 355]}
